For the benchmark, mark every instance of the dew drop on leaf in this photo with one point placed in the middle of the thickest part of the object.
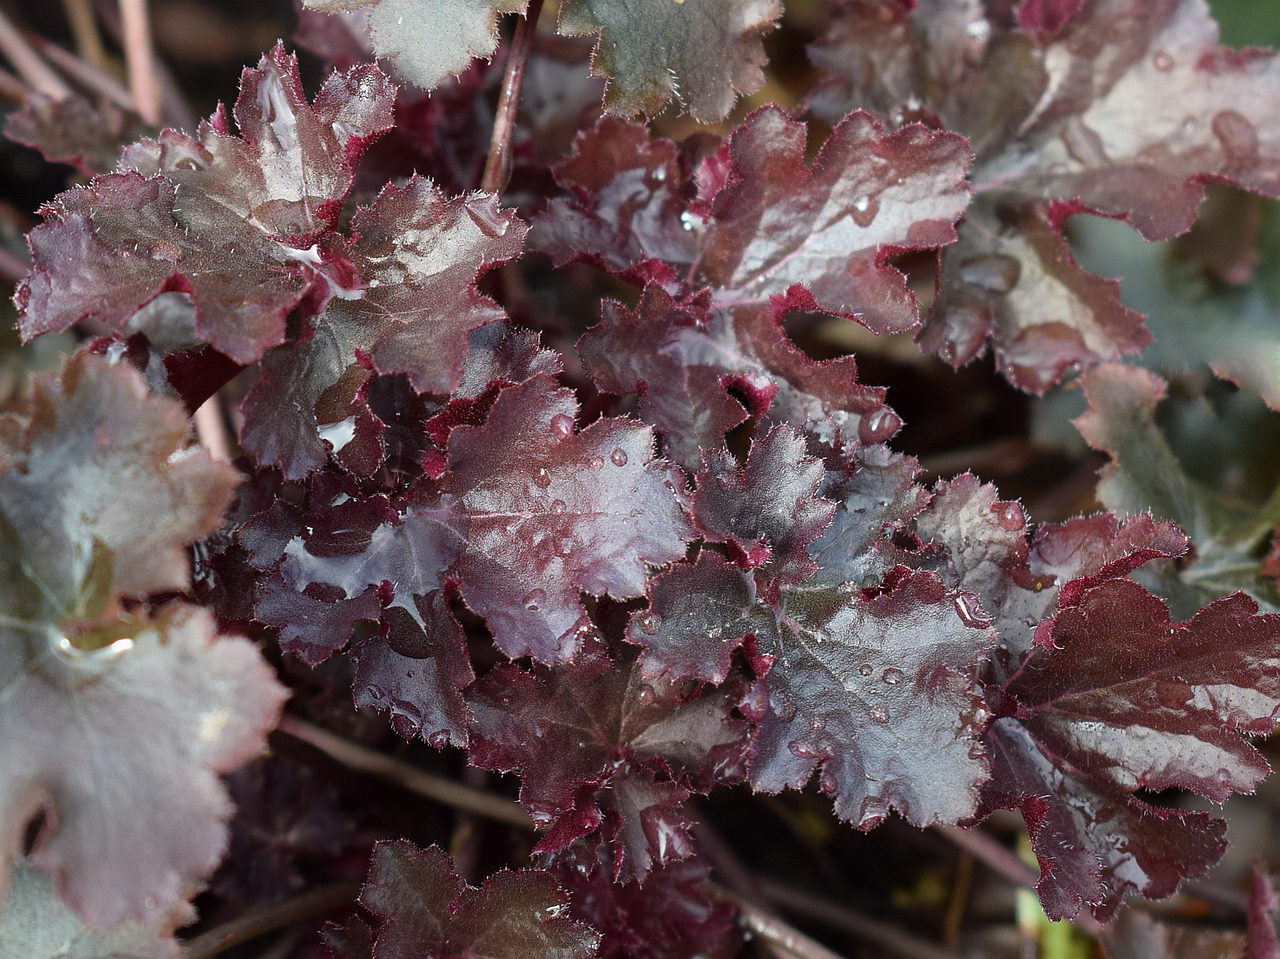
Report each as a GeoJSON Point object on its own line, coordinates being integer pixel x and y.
{"type": "Point", "coordinates": [618, 457]}
{"type": "Point", "coordinates": [562, 425]}
{"type": "Point", "coordinates": [879, 714]}
{"type": "Point", "coordinates": [541, 477]}
{"type": "Point", "coordinates": [892, 676]}
{"type": "Point", "coordinates": [865, 669]}
{"type": "Point", "coordinates": [534, 599]}
{"type": "Point", "coordinates": [650, 623]}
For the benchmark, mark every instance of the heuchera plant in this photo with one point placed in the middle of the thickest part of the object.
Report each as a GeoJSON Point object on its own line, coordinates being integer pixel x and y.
{"type": "Point", "coordinates": [629, 543]}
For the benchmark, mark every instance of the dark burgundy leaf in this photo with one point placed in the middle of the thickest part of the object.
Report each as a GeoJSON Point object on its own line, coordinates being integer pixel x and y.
{"type": "Point", "coordinates": [599, 744]}
{"type": "Point", "coordinates": [422, 909]}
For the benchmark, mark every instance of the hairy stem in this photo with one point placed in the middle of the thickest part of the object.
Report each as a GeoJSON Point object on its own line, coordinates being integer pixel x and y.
{"type": "Point", "coordinates": [212, 430]}
{"type": "Point", "coordinates": [259, 922]}
{"type": "Point", "coordinates": [497, 166]}
{"type": "Point", "coordinates": [140, 58]}
{"type": "Point", "coordinates": [438, 788]}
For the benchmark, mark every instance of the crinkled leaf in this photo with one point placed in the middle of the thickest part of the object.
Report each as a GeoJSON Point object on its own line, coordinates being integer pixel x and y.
{"type": "Point", "coordinates": [416, 257]}
{"type": "Point", "coordinates": [1011, 279]}
{"type": "Point", "coordinates": [682, 358]}
{"type": "Point", "coordinates": [72, 130]}
{"type": "Point", "coordinates": [126, 756]}
{"type": "Point", "coordinates": [422, 907]}
{"type": "Point", "coordinates": [857, 684]}
{"type": "Point", "coordinates": [627, 193]}
{"type": "Point", "coordinates": [529, 514]}
{"type": "Point", "coordinates": [701, 54]}
{"type": "Point", "coordinates": [428, 42]}
{"type": "Point", "coordinates": [94, 466]}
{"type": "Point", "coordinates": [225, 218]}
{"type": "Point", "coordinates": [1049, 112]}
{"type": "Point", "coordinates": [596, 743]}
{"type": "Point", "coordinates": [776, 223]}
{"type": "Point", "coordinates": [1116, 698]}
{"type": "Point", "coordinates": [669, 914]}
{"type": "Point", "coordinates": [769, 510]}
{"type": "Point", "coordinates": [138, 715]}
{"type": "Point", "coordinates": [36, 924]}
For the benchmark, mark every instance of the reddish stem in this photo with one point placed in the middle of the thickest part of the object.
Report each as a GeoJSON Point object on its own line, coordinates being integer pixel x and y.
{"type": "Point", "coordinates": [497, 167]}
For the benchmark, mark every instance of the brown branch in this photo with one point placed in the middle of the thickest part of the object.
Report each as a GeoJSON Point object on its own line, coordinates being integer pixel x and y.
{"type": "Point", "coordinates": [411, 778]}
{"type": "Point", "coordinates": [91, 76]}
{"type": "Point", "coordinates": [84, 27]}
{"type": "Point", "coordinates": [889, 937]}
{"type": "Point", "coordinates": [259, 922]}
{"type": "Point", "coordinates": [497, 166]}
{"type": "Point", "coordinates": [772, 930]}
{"type": "Point", "coordinates": [140, 58]}
{"type": "Point", "coordinates": [39, 75]}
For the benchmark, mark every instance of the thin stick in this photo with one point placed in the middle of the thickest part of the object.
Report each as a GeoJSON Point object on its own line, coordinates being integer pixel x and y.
{"type": "Point", "coordinates": [259, 922]}
{"type": "Point", "coordinates": [211, 430]}
{"type": "Point", "coordinates": [38, 74]}
{"type": "Point", "coordinates": [140, 58]}
{"type": "Point", "coordinates": [777, 933]}
{"type": "Point", "coordinates": [91, 76]}
{"type": "Point", "coordinates": [84, 27]}
{"type": "Point", "coordinates": [408, 777]}
{"type": "Point", "coordinates": [1004, 862]}
{"type": "Point", "coordinates": [889, 937]}
{"type": "Point", "coordinates": [497, 166]}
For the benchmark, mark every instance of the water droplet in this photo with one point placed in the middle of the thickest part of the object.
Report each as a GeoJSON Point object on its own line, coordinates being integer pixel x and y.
{"type": "Point", "coordinates": [541, 477]}
{"type": "Point", "coordinates": [596, 463]}
{"type": "Point", "coordinates": [879, 426]}
{"type": "Point", "coordinates": [439, 739]}
{"type": "Point", "coordinates": [534, 598]}
{"type": "Point", "coordinates": [410, 673]}
{"type": "Point", "coordinates": [865, 209]}
{"type": "Point", "coordinates": [645, 695]}
{"type": "Point", "coordinates": [166, 251]}
{"type": "Point", "coordinates": [562, 425]}
{"type": "Point", "coordinates": [564, 545]}
{"type": "Point", "coordinates": [806, 750]}
{"type": "Point", "coordinates": [879, 714]}
{"type": "Point", "coordinates": [865, 669]}
{"type": "Point", "coordinates": [1163, 61]}
{"type": "Point", "coordinates": [892, 676]}
{"type": "Point", "coordinates": [488, 217]}
{"type": "Point", "coordinates": [650, 623]}
{"type": "Point", "coordinates": [557, 506]}
{"type": "Point", "coordinates": [540, 819]}
{"type": "Point", "coordinates": [618, 457]}
{"type": "Point", "coordinates": [1010, 516]}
